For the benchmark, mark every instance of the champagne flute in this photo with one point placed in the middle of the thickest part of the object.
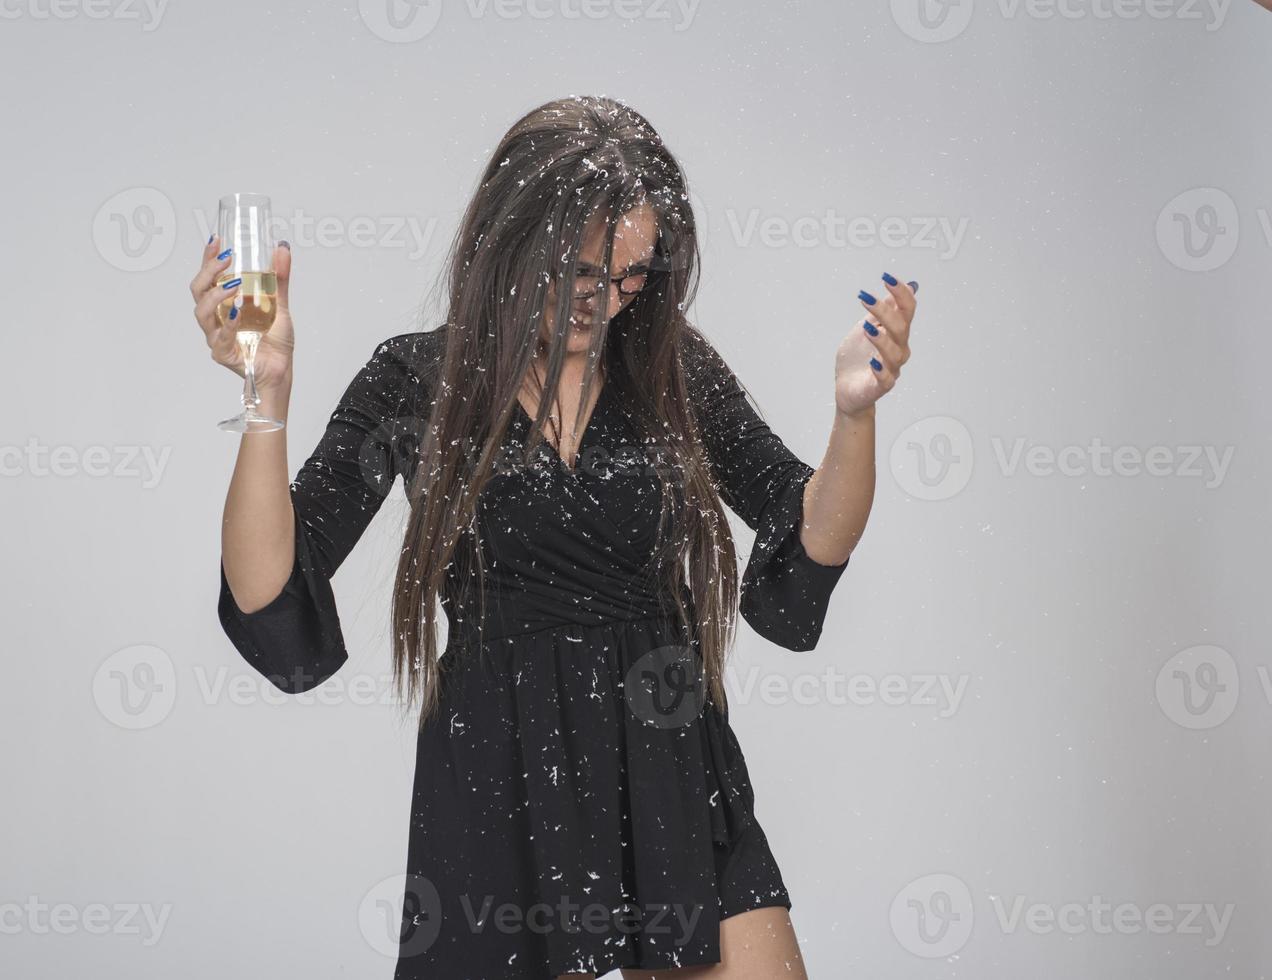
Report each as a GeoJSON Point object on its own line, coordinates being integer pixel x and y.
{"type": "Point", "coordinates": [244, 223]}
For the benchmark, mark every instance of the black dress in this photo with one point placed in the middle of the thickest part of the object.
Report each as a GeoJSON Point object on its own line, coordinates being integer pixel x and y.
{"type": "Point", "coordinates": [577, 808]}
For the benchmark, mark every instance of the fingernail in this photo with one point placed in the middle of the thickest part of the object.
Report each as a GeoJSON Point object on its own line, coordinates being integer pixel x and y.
{"type": "Point", "coordinates": [286, 244]}
{"type": "Point", "coordinates": [232, 283]}
{"type": "Point", "coordinates": [866, 298]}
{"type": "Point", "coordinates": [874, 363]}
{"type": "Point", "coordinates": [888, 278]}
{"type": "Point", "coordinates": [871, 329]}
{"type": "Point", "coordinates": [913, 285]}
{"type": "Point", "coordinates": [233, 312]}
{"type": "Point", "coordinates": [224, 254]}
{"type": "Point", "coordinates": [210, 237]}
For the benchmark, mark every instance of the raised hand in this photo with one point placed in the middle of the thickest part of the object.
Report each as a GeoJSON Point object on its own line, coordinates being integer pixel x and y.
{"type": "Point", "coordinates": [869, 360]}
{"type": "Point", "coordinates": [274, 355]}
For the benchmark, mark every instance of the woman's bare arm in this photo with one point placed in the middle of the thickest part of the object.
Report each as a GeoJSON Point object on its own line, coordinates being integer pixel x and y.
{"type": "Point", "coordinates": [838, 497]}
{"type": "Point", "coordinates": [258, 527]}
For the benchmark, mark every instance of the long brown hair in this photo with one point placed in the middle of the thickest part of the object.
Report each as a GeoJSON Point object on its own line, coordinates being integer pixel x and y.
{"type": "Point", "coordinates": [557, 168]}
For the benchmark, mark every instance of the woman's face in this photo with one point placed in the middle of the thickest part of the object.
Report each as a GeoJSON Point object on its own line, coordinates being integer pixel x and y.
{"type": "Point", "coordinates": [634, 238]}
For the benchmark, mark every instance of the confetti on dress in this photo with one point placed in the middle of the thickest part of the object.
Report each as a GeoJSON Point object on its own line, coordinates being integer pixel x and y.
{"type": "Point", "coordinates": [566, 814]}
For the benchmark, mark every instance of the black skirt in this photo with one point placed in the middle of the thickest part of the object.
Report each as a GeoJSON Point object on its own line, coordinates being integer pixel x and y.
{"type": "Point", "coordinates": [580, 805]}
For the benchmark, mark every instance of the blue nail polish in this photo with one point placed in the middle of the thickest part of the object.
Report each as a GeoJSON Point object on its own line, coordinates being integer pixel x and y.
{"type": "Point", "coordinates": [225, 253]}
{"type": "Point", "coordinates": [913, 285]}
{"type": "Point", "coordinates": [210, 237]}
{"type": "Point", "coordinates": [233, 312]}
{"type": "Point", "coordinates": [232, 283]}
{"type": "Point", "coordinates": [888, 278]}
{"type": "Point", "coordinates": [874, 363]}
{"type": "Point", "coordinates": [866, 298]}
{"type": "Point", "coordinates": [871, 329]}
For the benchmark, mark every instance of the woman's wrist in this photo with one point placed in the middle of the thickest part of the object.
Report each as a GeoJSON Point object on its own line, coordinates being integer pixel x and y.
{"type": "Point", "coordinates": [858, 417]}
{"type": "Point", "coordinates": [275, 400]}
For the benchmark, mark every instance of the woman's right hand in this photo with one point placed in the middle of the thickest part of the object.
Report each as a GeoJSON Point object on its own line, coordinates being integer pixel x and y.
{"type": "Point", "coordinates": [274, 355]}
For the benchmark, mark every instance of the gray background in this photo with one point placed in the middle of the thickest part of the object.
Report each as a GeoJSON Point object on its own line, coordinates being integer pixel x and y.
{"type": "Point", "coordinates": [1107, 626]}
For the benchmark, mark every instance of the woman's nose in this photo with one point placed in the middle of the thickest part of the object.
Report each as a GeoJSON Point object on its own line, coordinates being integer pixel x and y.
{"type": "Point", "coordinates": [613, 298]}
{"type": "Point", "coordinates": [591, 302]}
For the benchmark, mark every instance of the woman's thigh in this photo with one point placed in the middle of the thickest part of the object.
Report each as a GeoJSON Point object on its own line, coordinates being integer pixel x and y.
{"type": "Point", "coordinates": [756, 945]}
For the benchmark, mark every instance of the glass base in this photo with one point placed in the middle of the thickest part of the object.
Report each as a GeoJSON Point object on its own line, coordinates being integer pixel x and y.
{"type": "Point", "coordinates": [250, 422]}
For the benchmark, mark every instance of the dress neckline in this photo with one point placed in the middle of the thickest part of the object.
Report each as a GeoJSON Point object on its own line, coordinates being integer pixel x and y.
{"type": "Point", "coordinates": [583, 437]}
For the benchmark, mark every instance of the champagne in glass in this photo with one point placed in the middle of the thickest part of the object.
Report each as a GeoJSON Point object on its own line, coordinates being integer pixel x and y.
{"type": "Point", "coordinates": [244, 224]}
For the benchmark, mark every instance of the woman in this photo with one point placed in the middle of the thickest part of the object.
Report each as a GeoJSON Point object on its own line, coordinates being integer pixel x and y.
{"type": "Point", "coordinates": [566, 439]}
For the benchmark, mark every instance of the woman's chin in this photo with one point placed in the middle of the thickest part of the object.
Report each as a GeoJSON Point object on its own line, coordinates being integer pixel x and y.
{"type": "Point", "coordinates": [579, 336]}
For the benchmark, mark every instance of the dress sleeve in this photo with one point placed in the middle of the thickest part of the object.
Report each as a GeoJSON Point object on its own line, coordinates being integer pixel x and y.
{"type": "Point", "coordinates": [295, 641]}
{"type": "Point", "coordinates": [785, 593]}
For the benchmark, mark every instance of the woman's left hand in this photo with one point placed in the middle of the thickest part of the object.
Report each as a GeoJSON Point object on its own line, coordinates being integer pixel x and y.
{"type": "Point", "coordinates": [870, 357]}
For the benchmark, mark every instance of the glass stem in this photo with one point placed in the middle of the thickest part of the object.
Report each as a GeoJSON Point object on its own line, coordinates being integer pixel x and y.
{"type": "Point", "coordinates": [248, 341]}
